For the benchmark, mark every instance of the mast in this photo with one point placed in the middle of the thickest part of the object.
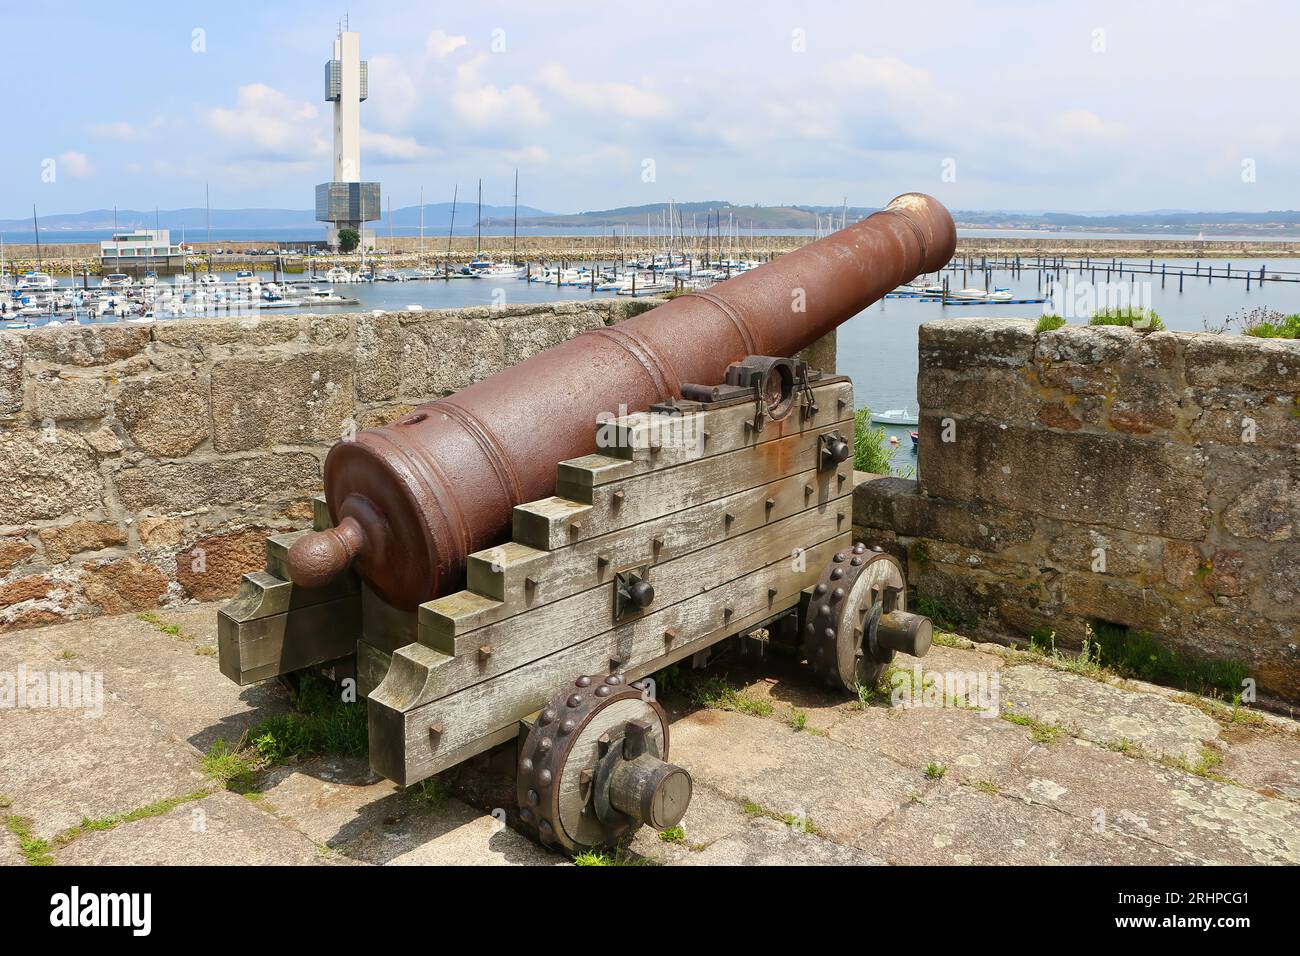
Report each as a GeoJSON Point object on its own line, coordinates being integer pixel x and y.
{"type": "Point", "coordinates": [514, 244]}
{"type": "Point", "coordinates": [207, 214]}
{"type": "Point", "coordinates": [421, 225]}
{"type": "Point", "coordinates": [446, 263]}
{"type": "Point", "coordinates": [478, 243]}
{"type": "Point", "coordinates": [36, 227]}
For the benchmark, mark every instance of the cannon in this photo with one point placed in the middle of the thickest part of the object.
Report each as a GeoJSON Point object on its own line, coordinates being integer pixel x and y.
{"type": "Point", "coordinates": [508, 564]}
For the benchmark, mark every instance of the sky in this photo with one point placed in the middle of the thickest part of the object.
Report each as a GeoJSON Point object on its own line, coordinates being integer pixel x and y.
{"type": "Point", "coordinates": [1068, 106]}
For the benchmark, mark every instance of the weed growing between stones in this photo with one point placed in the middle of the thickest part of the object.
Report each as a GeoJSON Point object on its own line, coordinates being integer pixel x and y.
{"type": "Point", "coordinates": [716, 692]}
{"type": "Point", "coordinates": [1040, 732]}
{"type": "Point", "coordinates": [673, 835]}
{"type": "Point", "coordinates": [796, 821]}
{"type": "Point", "coordinates": [431, 794]}
{"type": "Point", "coordinates": [1143, 320]}
{"type": "Point", "coordinates": [152, 619]}
{"type": "Point", "coordinates": [320, 723]}
{"type": "Point", "coordinates": [39, 852]}
{"type": "Point", "coordinates": [1049, 323]}
{"type": "Point", "coordinates": [618, 857]}
{"type": "Point", "coordinates": [1138, 654]}
{"type": "Point", "coordinates": [940, 614]}
{"type": "Point", "coordinates": [35, 851]}
{"type": "Point", "coordinates": [935, 771]}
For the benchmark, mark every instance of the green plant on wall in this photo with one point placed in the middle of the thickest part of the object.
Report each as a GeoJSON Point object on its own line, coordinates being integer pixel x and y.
{"type": "Point", "coordinates": [1144, 320]}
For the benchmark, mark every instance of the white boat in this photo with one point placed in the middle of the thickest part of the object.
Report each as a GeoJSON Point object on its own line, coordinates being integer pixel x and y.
{"type": "Point", "coordinates": [895, 416]}
{"type": "Point", "coordinates": [973, 294]}
{"type": "Point", "coordinates": [35, 282]}
{"type": "Point", "coordinates": [426, 274]}
{"type": "Point", "coordinates": [503, 270]}
{"type": "Point", "coordinates": [339, 275]}
{"type": "Point", "coordinates": [324, 295]}
{"type": "Point", "coordinates": [209, 279]}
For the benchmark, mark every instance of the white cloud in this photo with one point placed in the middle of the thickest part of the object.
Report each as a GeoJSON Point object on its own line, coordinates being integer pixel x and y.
{"type": "Point", "coordinates": [75, 164]}
{"type": "Point", "coordinates": [119, 129]}
{"type": "Point", "coordinates": [1076, 127]}
{"type": "Point", "coordinates": [902, 84]}
{"type": "Point", "coordinates": [485, 104]}
{"type": "Point", "coordinates": [624, 99]}
{"type": "Point", "coordinates": [440, 44]}
{"type": "Point", "coordinates": [386, 146]}
{"type": "Point", "coordinates": [271, 126]}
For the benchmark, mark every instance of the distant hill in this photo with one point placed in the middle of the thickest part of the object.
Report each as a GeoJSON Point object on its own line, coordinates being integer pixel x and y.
{"type": "Point", "coordinates": [758, 217]}
{"type": "Point", "coordinates": [194, 220]}
{"type": "Point", "coordinates": [1155, 221]}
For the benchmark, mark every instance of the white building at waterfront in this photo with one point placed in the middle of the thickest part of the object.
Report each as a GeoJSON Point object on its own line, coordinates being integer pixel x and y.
{"type": "Point", "coordinates": [141, 250]}
{"type": "Point", "coordinates": [347, 202]}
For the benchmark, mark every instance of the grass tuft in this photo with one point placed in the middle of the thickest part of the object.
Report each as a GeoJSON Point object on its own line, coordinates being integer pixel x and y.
{"type": "Point", "coordinates": [152, 619]}
{"type": "Point", "coordinates": [1049, 323]}
{"type": "Point", "coordinates": [1137, 654]}
{"type": "Point", "coordinates": [935, 771]}
{"type": "Point", "coordinates": [320, 723]}
{"type": "Point", "coordinates": [673, 835]}
{"type": "Point", "coordinates": [1143, 320]}
{"type": "Point", "coordinates": [716, 692]}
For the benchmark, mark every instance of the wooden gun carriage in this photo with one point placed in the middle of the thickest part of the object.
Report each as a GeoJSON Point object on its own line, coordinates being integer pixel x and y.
{"type": "Point", "coordinates": [510, 563]}
{"type": "Point", "coordinates": [696, 520]}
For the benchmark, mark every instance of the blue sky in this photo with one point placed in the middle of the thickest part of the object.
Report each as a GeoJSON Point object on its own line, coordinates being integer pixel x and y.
{"type": "Point", "coordinates": [1077, 105]}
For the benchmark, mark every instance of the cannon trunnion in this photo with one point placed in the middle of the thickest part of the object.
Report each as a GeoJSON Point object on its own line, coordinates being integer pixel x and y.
{"type": "Point", "coordinates": [696, 520]}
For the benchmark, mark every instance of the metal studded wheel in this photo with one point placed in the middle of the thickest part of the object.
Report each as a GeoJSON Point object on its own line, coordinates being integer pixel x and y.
{"type": "Point", "coordinates": [593, 767]}
{"type": "Point", "coordinates": [856, 618]}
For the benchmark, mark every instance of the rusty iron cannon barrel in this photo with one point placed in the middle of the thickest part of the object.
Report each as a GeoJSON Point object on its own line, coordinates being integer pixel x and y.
{"type": "Point", "coordinates": [410, 501]}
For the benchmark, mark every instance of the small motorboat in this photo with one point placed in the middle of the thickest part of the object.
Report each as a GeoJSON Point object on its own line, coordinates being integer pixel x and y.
{"type": "Point", "coordinates": [895, 416]}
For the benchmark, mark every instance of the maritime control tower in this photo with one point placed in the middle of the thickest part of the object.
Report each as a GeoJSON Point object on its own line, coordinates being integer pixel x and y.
{"type": "Point", "coordinates": [347, 202]}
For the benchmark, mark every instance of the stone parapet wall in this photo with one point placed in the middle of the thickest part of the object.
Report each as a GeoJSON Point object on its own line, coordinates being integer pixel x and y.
{"type": "Point", "coordinates": [144, 464]}
{"type": "Point", "coordinates": [1095, 474]}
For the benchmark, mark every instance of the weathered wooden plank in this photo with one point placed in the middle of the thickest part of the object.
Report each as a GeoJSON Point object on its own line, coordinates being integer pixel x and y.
{"type": "Point", "coordinates": [544, 630]}
{"type": "Point", "coordinates": [383, 625]}
{"type": "Point", "coordinates": [262, 594]}
{"type": "Point", "coordinates": [263, 647]}
{"type": "Point", "coordinates": [575, 514]}
{"type": "Point", "coordinates": [277, 552]}
{"type": "Point", "coordinates": [320, 514]}
{"type": "Point", "coordinates": [415, 740]}
{"type": "Point", "coordinates": [372, 665]}
{"type": "Point", "coordinates": [499, 578]}
{"type": "Point", "coordinates": [660, 440]}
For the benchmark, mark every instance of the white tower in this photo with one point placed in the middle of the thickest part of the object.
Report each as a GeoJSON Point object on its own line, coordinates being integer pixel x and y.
{"type": "Point", "coordinates": [347, 202]}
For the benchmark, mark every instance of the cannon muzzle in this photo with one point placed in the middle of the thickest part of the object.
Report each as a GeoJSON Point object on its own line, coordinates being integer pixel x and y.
{"type": "Point", "coordinates": [413, 499]}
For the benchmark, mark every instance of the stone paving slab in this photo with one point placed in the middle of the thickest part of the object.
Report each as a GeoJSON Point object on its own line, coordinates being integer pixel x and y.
{"type": "Point", "coordinates": [843, 790]}
{"type": "Point", "coordinates": [59, 765]}
{"type": "Point", "coordinates": [160, 674]}
{"type": "Point", "coordinates": [966, 745]}
{"type": "Point", "coordinates": [223, 829]}
{"type": "Point", "coordinates": [1268, 763]}
{"type": "Point", "coordinates": [717, 831]}
{"type": "Point", "coordinates": [1201, 819]}
{"type": "Point", "coordinates": [958, 825]}
{"type": "Point", "coordinates": [1106, 714]}
{"type": "Point", "coordinates": [340, 803]}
